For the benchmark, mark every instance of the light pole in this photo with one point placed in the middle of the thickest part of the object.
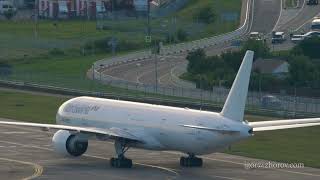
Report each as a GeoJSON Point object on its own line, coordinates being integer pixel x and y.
{"type": "Point", "coordinates": [148, 18]}
{"type": "Point", "coordinates": [260, 79]}
{"type": "Point", "coordinates": [156, 51]}
{"type": "Point", "coordinates": [112, 29]}
{"type": "Point", "coordinates": [100, 73]}
{"type": "Point", "coordinates": [156, 70]}
{"type": "Point", "coordinates": [36, 10]}
{"type": "Point", "coordinates": [92, 71]}
{"type": "Point", "coordinates": [295, 99]}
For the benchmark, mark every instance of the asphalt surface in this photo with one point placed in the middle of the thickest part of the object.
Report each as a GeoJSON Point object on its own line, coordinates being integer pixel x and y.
{"type": "Point", "coordinates": [266, 14]}
{"type": "Point", "coordinates": [27, 153]}
{"type": "Point", "coordinates": [266, 17]}
{"type": "Point", "coordinates": [169, 68]}
{"type": "Point", "coordinates": [301, 21]}
{"type": "Point", "coordinates": [144, 72]}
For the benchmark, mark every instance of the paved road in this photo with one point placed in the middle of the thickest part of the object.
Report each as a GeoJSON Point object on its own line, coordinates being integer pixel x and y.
{"type": "Point", "coordinates": [301, 19]}
{"type": "Point", "coordinates": [144, 71]}
{"type": "Point", "coordinates": [27, 152]}
{"type": "Point", "coordinates": [266, 15]}
{"type": "Point", "coordinates": [146, 74]}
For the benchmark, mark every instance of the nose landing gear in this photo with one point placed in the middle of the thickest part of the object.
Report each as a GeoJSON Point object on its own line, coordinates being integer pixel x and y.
{"type": "Point", "coordinates": [121, 161]}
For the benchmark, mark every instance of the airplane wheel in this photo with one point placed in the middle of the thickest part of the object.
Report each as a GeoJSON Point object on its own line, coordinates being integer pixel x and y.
{"type": "Point", "coordinates": [182, 161]}
{"type": "Point", "coordinates": [121, 162]}
{"type": "Point", "coordinates": [112, 160]}
{"type": "Point", "coordinates": [197, 162]}
{"type": "Point", "coordinates": [191, 162]}
{"type": "Point", "coordinates": [126, 163]}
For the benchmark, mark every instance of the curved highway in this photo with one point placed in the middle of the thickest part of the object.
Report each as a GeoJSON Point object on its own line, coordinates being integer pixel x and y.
{"type": "Point", "coordinates": [302, 18]}
{"type": "Point", "coordinates": [145, 74]}
{"type": "Point", "coordinates": [266, 14]}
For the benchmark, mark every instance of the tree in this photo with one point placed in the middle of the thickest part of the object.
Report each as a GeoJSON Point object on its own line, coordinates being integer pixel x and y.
{"type": "Point", "coordinates": [308, 47]}
{"type": "Point", "coordinates": [9, 13]}
{"type": "Point", "coordinates": [195, 58]}
{"type": "Point", "coordinates": [302, 71]}
{"type": "Point", "coordinates": [182, 35]}
{"type": "Point", "coordinates": [260, 48]}
{"type": "Point", "coordinates": [233, 59]}
{"type": "Point", "coordinates": [206, 15]}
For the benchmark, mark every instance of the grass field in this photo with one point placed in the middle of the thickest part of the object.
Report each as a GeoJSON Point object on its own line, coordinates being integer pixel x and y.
{"type": "Point", "coordinates": [18, 37]}
{"type": "Point", "coordinates": [291, 3]}
{"type": "Point", "coordinates": [299, 145]}
{"type": "Point", "coordinates": [28, 107]}
{"type": "Point", "coordinates": [69, 70]}
{"type": "Point", "coordinates": [295, 145]}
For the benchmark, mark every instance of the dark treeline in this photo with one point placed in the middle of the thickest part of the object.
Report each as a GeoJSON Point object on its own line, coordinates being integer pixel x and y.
{"type": "Point", "coordinates": [304, 69]}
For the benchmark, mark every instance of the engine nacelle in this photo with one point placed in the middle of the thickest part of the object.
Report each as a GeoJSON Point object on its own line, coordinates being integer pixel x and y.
{"type": "Point", "coordinates": [68, 144]}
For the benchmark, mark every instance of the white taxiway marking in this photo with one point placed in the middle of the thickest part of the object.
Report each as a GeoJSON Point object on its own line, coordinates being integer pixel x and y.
{"type": "Point", "coordinates": [37, 168]}
{"type": "Point", "coordinates": [213, 159]}
{"type": "Point", "coordinates": [14, 132]}
{"type": "Point", "coordinates": [97, 157]}
{"type": "Point", "coordinates": [242, 164]}
{"type": "Point", "coordinates": [308, 21]}
{"type": "Point", "coordinates": [281, 10]}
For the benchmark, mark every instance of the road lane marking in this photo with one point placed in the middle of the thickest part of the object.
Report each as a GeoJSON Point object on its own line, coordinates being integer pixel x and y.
{"type": "Point", "coordinates": [174, 171]}
{"type": "Point", "coordinates": [169, 152]}
{"type": "Point", "coordinates": [38, 169]}
{"type": "Point", "coordinates": [97, 157]}
{"type": "Point", "coordinates": [21, 128]}
{"type": "Point", "coordinates": [24, 145]}
{"type": "Point", "coordinates": [308, 21]}
{"type": "Point", "coordinates": [280, 14]}
{"type": "Point", "coordinates": [14, 132]}
{"type": "Point", "coordinates": [252, 17]}
{"type": "Point", "coordinates": [161, 66]}
{"type": "Point", "coordinates": [242, 164]}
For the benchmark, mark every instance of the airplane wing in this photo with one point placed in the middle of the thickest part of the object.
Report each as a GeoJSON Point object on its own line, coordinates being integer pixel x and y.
{"type": "Point", "coordinates": [222, 131]}
{"type": "Point", "coordinates": [112, 132]}
{"type": "Point", "coordinates": [284, 124]}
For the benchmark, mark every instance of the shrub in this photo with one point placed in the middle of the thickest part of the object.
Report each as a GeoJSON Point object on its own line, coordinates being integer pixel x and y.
{"type": "Point", "coordinates": [5, 68]}
{"type": "Point", "coordinates": [260, 48]}
{"type": "Point", "coordinates": [206, 15]}
{"type": "Point", "coordinates": [303, 72]}
{"type": "Point", "coordinates": [56, 52]}
{"type": "Point", "coordinates": [9, 14]}
{"type": "Point", "coordinates": [308, 47]}
{"type": "Point", "coordinates": [105, 45]}
{"type": "Point", "coordinates": [182, 35]}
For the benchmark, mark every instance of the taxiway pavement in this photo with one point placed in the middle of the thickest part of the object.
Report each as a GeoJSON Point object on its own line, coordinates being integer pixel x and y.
{"type": "Point", "coordinates": [27, 153]}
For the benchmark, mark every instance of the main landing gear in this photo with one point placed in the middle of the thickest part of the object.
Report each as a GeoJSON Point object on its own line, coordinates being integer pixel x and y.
{"type": "Point", "coordinates": [191, 161]}
{"type": "Point", "coordinates": [121, 162]}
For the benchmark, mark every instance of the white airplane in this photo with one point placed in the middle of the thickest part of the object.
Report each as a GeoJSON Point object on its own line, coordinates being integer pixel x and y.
{"type": "Point", "coordinates": [155, 127]}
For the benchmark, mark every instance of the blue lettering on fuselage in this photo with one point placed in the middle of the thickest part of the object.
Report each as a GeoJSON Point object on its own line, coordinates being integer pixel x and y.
{"type": "Point", "coordinates": [80, 109]}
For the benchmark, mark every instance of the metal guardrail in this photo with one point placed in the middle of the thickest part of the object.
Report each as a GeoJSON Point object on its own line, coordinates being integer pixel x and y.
{"type": "Point", "coordinates": [181, 47]}
{"type": "Point", "coordinates": [292, 106]}
{"type": "Point", "coordinates": [149, 98]}
{"type": "Point", "coordinates": [167, 50]}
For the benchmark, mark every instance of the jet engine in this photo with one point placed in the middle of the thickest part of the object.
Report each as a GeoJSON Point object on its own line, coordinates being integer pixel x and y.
{"type": "Point", "coordinates": [68, 144]}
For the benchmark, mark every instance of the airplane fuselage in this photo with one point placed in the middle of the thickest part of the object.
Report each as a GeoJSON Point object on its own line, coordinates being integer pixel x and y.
{"type": "Point", "coordinates": [160, 127]}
